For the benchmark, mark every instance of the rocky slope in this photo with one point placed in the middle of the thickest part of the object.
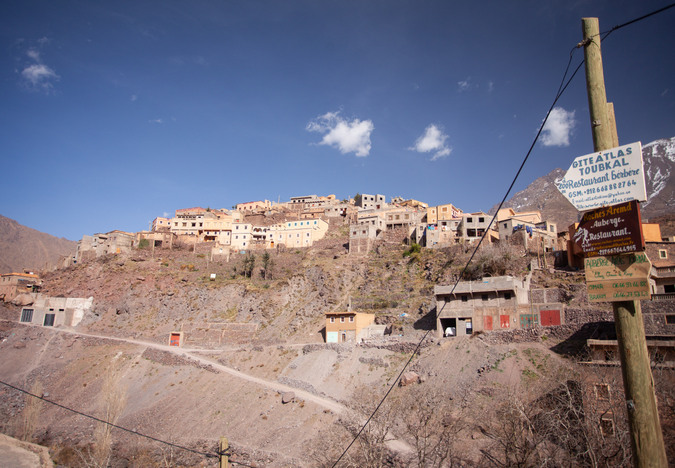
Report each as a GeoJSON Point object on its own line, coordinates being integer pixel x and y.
{"type": "Point", "coordinates": [22, 247]}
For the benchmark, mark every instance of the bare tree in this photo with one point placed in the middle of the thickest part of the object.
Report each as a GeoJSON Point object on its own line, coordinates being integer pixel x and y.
{"type": "Point", "coordinates": [31, 412]}
{"type": "Point", "coordinates": [113, 400]}
{"type": "Point", "coordinates": [433, 423]}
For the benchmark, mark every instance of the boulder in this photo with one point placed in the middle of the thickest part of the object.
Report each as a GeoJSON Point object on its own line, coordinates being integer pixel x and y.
{"type": "Point", "coordinates": [287, 397]}
{"type": "Point", "coordinates": [409, 378]}
{"type": "Point", "coordinates": [23, 300]}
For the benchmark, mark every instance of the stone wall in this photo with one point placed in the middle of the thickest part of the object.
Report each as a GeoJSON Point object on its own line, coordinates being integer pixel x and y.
{"type": "Point", "coordinates": [219, 334]}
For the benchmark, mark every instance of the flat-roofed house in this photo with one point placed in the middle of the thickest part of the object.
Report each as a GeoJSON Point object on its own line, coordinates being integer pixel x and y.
{"type": "Point", "coordinates": [347, 326]}
{"type": "Point", "coordinates": [13, 284]}
{"type": "Point", "coordinates": [499, 302]}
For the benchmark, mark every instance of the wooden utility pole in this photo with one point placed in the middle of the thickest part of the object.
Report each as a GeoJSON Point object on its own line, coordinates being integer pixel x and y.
{"type": "Point", "coordinates": [643, 417]}
{"type": "Point", "coordinates": [224, 456]}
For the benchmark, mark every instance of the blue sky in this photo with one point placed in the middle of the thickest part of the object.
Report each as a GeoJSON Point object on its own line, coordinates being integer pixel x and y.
{"type": "Point", "coordinates": [112, 113]}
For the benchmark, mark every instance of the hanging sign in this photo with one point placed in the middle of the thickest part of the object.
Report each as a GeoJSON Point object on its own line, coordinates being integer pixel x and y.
{"type": "Point", "coordinates": [605, 178]}
{"type": "Point", "coordinates": [618, 277]}
{"type": "Point", "coordinates": [611, 230]}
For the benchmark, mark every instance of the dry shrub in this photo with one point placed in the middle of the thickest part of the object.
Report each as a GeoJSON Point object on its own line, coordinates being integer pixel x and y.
{"type": "Point", "coordinates": [492, 260]}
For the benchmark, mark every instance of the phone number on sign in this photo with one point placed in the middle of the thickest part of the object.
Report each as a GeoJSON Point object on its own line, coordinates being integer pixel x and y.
{"type": "Point", "coordinates": [603, 188]}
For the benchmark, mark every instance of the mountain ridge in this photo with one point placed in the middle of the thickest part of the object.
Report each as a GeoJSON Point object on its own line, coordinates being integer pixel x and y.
{"type": "Point", "coordinates": [22, 247]}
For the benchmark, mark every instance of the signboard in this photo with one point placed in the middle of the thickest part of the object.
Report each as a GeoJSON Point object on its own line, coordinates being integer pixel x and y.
{"type": "Point", "coordinates": [611, 230]}
{"type": "Point", "coordinates": [605, 178]}
{"type": "Point", "coordinates": [618, 277]}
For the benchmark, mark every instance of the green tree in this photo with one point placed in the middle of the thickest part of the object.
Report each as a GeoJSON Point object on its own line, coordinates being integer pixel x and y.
{"type": "Point", "coordinates": [357, 199]}
{"type": "Point", "coordinates": [249, 264]}
{"type": "Point", "coordinates": [267, 264]}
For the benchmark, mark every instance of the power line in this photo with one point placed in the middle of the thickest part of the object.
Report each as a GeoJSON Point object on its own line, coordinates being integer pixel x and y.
{"type": "Point", "coordinates": [628, 23]}
{"type": "Point", "coordinates": [561, 89]}
{"type": "Point", "coordinates": [205, 454]}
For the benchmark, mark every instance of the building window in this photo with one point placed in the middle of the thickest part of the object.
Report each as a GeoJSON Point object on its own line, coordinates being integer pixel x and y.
{"type": "Point", "coordinates": [663, 253]}
{"type": "Point", "coordinates": [332, 320]}
{"type": "Point", "coordinates": [669, 288]}
{"type": "Point", "coordinates": [49, 320]}
{"type": "Point", "coordinates": [27, 315]}
{"type": "Point", "coordinates": [484, 297]}
{"type": "Point", "coordinates": [342, 319]}
{"type": "Point", "coordinates": [465, 298]}
{"type": "Point", "coordinates": [351, 319]}
{"type": "Point", "coordinates": [505, 225]}
{"type": "Point", "coordinates": [481, 220]}
{"type": "Point", "coordinates": [601, 391]}
{"type": "Point", "coordinates": [507, 295]}
{"type": "Point", "coordinates": [607, 424]}
{"type": "Point", "coordinates": [670, 319]}
{"type": "Point", "coordinates": [469, 220]}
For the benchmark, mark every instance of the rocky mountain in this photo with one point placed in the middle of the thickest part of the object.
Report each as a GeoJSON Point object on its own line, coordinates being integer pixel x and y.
{"type": "Point", "coordinates": [22, 247]}
{"type": "Point", "coordinates": [659, 163]}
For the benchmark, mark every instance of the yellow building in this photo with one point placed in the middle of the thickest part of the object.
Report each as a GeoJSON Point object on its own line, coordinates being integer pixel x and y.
{"type": "Point", "coordinates": [443, 212]}
{"type": "Point", "coordinates": [346, 327]}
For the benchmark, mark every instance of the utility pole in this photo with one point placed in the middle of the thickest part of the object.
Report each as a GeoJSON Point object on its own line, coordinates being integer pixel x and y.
{"type": "Point", "coordinates": [224, 453]}
{"type": "Point", "coordinates": [643, 417]}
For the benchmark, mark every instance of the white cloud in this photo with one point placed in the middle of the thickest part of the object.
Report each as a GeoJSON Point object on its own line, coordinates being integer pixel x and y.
{"type": "Point", "coordinates": [433, 140]}
{"type": "Point", "coordinates": [464, 85]}
{"type": "Point", "coordinates": [34, 54]}
{"type": "Point", "coordinates": [37, 75]}
{"type": "Point", "coordinates": [558, 128]}
{"type": "Point", "coordinates": [156, 121]}
{"type": "Point", "coordinates": [491, 86]}
{"type": "Point", "coordinates": [347, 136]}
{"type": "Point", "coordinates": [134, 97]}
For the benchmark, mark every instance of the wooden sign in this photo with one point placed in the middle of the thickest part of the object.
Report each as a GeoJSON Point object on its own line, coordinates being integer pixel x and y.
{"type": "Point", "coordinates": [611, 230]}
{"type": "Point", "coordinates": [618, 277]}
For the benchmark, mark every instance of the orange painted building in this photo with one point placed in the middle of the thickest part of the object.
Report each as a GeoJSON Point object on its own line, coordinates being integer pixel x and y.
{"type": "Point", "coordinates": [346, 327]}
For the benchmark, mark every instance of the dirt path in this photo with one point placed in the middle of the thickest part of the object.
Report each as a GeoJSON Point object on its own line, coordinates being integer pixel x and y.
{"type": "Point", "coordinates": [337, 408]}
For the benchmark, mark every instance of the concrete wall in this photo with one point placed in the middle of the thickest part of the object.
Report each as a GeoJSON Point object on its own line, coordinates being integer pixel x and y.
{"type": "Point", "coordinates": [67, 311]}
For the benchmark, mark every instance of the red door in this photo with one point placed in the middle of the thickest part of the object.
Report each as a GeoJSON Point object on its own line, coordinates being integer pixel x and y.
{"type": "Point", "coordinates": [504, 321]}
{"type": "Point", "coordinates": [550, 317]}
{"type": "Point", "coordinates": [487, 323]}
{"type": "Point", "coordinates": [174, 340]}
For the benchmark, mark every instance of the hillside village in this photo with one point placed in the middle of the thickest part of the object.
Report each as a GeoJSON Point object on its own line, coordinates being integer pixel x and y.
{"type": "Point", "coordinates": [316, 299]}
{"type": "Point", "coordinates": [303, 220]}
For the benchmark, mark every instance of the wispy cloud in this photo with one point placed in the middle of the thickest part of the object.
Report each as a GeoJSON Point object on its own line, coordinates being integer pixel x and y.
{"type": "Point", "coordinates": [156, 121]}
{"type": "Point", "coordinates": [134, 97]}
{"type": "Point", "coordinates": [347, 136]}
{"type": "Point", "coordinates": [559, 127]}
{"type": "Point", "coordinates": [490, 86]}
{"type": "Point", "coordinates": [35, 74]}
{"type": "Point", "coordinates": [432, 141]}
{"type": "Point", "coordinates": [465, 85]}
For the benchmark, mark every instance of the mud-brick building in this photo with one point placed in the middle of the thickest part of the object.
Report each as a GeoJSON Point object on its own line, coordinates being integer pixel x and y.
{"type": "Point", "coordinates": [347, 326]}
{"type": "Point", "coordinates": [13, 284]}
{"type": "Point", "coordinates": [662, 256]}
